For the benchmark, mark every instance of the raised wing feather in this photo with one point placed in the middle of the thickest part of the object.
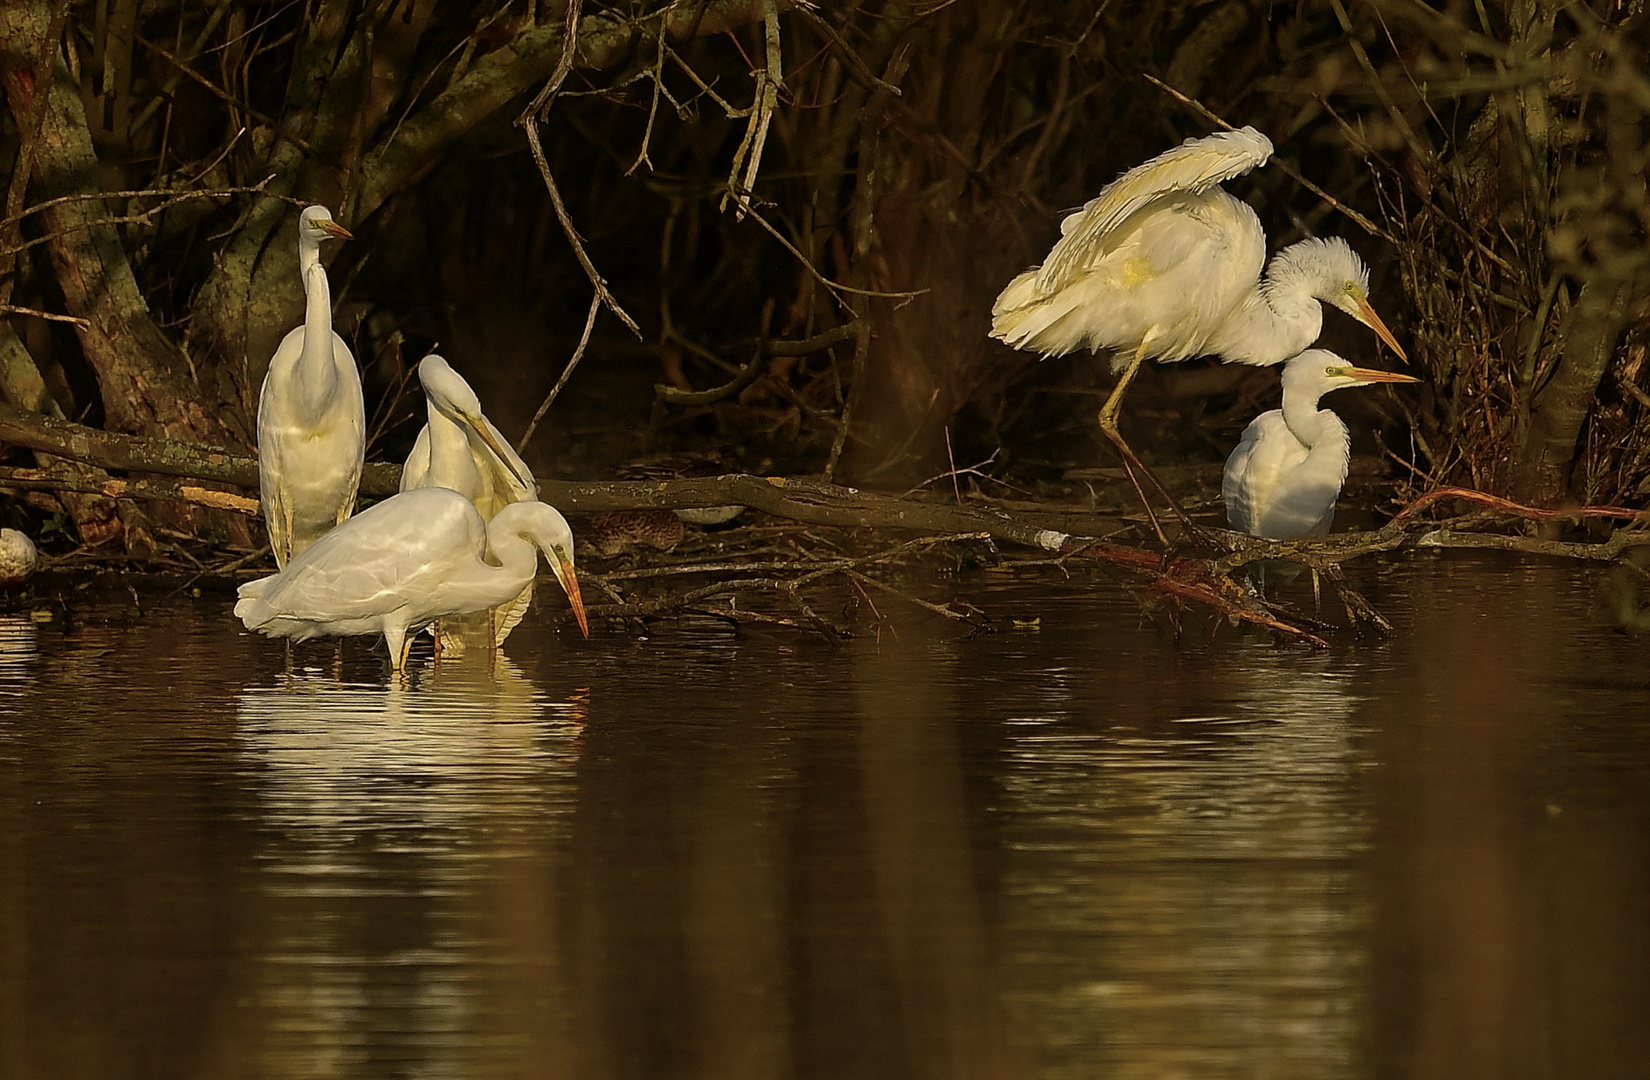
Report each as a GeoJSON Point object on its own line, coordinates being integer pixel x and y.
{"type": "Point", "coordinates": [1193, 166]}
{"type": "Point", "coordinates": [500, 482]}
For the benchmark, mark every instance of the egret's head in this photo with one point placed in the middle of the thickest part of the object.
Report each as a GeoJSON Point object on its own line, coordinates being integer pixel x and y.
{"type": "Point", "coordinates": [449, 394]}
{"type": "Point", "coordinates": [555, 538]}
{"type": "Point", "coordinates": [1316, 372]}
{"type": "Point", "coordinates": [315, 224]}
{"type": "Point", "coordinates": [1338, 277]}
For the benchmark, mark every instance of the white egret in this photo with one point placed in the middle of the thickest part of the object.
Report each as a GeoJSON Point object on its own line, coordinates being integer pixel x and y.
{"type": "Point", "coordinates": [1282, 481]}
{"type": "Point", "coordinates": [1165, 264]}
{"type": "Point", "coordinates": [401, 564]}
{"type": "Point", "coordinates": [459, 448]}
{"type": "Point", "coordinates": [311, 418]}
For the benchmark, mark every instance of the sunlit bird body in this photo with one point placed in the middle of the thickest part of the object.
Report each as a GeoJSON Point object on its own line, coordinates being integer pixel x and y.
{"type": "Point", "coordinates": [1165, 264]}
{"type": "Point", "coordinates": [1283, 480]}
{"type": "Point", "coordinates": [403, 563]}
{"type": "Point", "coordinates": [460, 449]}
{"type": "Point", "coordinates": [311, 417]}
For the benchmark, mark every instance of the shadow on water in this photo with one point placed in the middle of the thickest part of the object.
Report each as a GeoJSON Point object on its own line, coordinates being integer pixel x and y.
{"type": "Point", "coordinates": [1082, 850]}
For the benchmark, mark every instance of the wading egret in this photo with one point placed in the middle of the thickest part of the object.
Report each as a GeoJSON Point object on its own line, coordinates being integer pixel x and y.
{"type": "Point", "coordinates": [311, 419]}
{"type": "Point", "coordinates": [1165, 264]}
{"type": "Point", "coordinates": [1282, 481]}
{"type": "Point", "coordinates": [459, 448]}
{"type": "Point", "coordinates": [401, 564]}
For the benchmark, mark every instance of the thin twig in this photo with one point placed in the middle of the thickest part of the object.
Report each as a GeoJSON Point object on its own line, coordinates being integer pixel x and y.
{"type": "Point", "coordinates": [1284, 167]}
{"type": "Point", "coordinates": [141, 217]}
{"type": "Point", "coordinates": [529, 121]}
{"type": "Point", "coordinates": [567, 372]}
{"type": "Point", "coordinates": [13, 309]}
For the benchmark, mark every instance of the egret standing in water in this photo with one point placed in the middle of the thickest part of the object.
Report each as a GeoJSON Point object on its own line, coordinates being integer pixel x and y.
{"type": "Point", "coordinates": [1282, 481]}
{"type": "Point", "coordinates": [311, 418]}
{"type": "Point", "coordinates": [403, 563]}
{"type": "Point", "coordinates": [459, 448]}
{"type": "Point", "coordinates": [1165, 264]}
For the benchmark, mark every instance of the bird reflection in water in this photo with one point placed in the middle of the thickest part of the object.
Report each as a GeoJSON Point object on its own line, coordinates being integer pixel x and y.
{"type": "Point", "coordinates": [19, 653]}
{"type": "Point", "coordinates": [1182, 891]}
{"type": "Point", "coordinates": [403, 823]}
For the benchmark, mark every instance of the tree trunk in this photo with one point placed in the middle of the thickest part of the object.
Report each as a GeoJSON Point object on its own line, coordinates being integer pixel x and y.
{"type": "Point", "coordinates": [1541, 468]}
{"type": "Point", "coordinates": [145, 380]}
{"type": "Point", "coordinates": [933, 234]}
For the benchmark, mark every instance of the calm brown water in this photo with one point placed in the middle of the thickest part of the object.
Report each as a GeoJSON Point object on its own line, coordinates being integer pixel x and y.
{"type": "Point", "coordinates": [1085, 850]}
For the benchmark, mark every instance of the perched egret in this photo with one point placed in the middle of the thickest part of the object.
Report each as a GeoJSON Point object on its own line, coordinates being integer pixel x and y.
{"type": "Point", "coordinates": [401, 564]}
{"type": "Point", "coordinates": [311, 419]}
{"type": "Point", "coordinates": [1165, 264]}
{"type": "Point", "coordinates": [459, 448]}
{"type": "Point", "coordinates": [1282, 481]}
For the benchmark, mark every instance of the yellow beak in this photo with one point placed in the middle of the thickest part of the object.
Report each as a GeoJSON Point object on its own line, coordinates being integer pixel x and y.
{"type": "Point", "coordinates": [570, 582]}
{"type": "Point", "coordinates": [332, 228]}
{"type": "Point", "coordinates": [1373, 321]}
{"type": "Point", "coordinates": [1371, 375]}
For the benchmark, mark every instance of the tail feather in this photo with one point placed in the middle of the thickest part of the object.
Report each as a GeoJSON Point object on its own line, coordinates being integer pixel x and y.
{"type": "Point", "coordinates": [1025, 319]}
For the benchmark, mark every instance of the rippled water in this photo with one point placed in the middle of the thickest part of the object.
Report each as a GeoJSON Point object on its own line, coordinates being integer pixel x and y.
{"type": "Point", "coordinates": [1088, 849]}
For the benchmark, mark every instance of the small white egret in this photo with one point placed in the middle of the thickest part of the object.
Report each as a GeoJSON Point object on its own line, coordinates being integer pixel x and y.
{"type": "Point", "coordinates": [459, 448]}
{"type": "Point", "coordinates": [1165, 264]}
{"type": "Point", "coordinates": [1282, 481]}
{"type": "Point", "coordinates": [403, 563]}
{"type": "Point", "coordinates": [311, 418]}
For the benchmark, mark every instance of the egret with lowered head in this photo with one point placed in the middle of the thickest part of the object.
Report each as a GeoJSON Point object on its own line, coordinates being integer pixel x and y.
{"type": "Point", "coordinates": [459, 448]}
{"type": "Point", "coordinates": [311, 418]}
{"type": "Point", "coordinates": [1164, 263]}
{"type": "Point", "coordinates": [401, 564]}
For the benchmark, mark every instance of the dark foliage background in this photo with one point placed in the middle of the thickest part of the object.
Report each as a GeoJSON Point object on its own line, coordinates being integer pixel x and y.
{"type": "Point", "coordinates": [916, 156]}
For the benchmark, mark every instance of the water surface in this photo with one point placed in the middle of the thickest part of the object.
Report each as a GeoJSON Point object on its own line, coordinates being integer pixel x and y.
{"type": "Point", "coordinates": [1086, 849]}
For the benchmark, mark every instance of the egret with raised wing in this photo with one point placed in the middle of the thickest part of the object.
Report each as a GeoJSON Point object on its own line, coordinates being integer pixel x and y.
{"type": "Point", "coordinates": [1283, 480]}
{"type": "Point", "coordinates": [1165, 264]}
{"type": "Point", "coordinates": [401, 564]}
{"type": "Point", "coordinates": [311, 417]}
{"type": "Point", "coordinates": [459, 448]}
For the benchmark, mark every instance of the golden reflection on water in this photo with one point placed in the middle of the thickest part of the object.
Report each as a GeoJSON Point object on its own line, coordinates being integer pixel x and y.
{"type": "Point", "coordinates": [1185, 896]}
{"type": "Point", "coordinates": [1091, 851]}
{"type": "Point", "coordinates": [405, 823]}
{"type": "Point", "coordinates": [19, 653]}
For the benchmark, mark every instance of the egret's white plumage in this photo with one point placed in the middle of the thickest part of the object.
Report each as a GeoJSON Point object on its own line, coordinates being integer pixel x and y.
{"type": "Point", "coordinates": [405, 562]}
{"type": "Point", "coordinates": [1283, 479]}
{"type": "Point", "coordinates": [459, 448]}
{"type": "Point", "coordinates": [311, 417]}
{"type": "Point", "coordinates": [1165, 264]}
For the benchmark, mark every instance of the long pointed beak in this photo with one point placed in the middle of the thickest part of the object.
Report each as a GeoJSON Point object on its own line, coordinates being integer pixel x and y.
{"type": "Point", "coordinates": [479, 426]}
{"type": "Point", "coordinates": [1373, 321]}
{"type": "Point", "coordinates": [1370, 375]}
{"type": "Point", "coordinates": [332, 228]}
{"type": "Point", "coordinates": [570, 582]}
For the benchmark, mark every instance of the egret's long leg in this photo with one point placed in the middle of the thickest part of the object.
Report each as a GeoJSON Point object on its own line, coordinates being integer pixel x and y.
{"type": "Point", "coordinates": [1108, 427]}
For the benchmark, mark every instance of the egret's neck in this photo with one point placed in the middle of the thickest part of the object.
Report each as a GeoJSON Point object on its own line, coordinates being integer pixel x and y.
{"type": "Point", "coordinates": [317, 376]}
{"type": "Point", "coordinates": [1278, 319]}
{"type": "Point", "coordinates": [515, 555]}
{"type": "Point", "coordinates": [452, 465]}
{"type": "Point", "coordinates": [1304, 419]}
